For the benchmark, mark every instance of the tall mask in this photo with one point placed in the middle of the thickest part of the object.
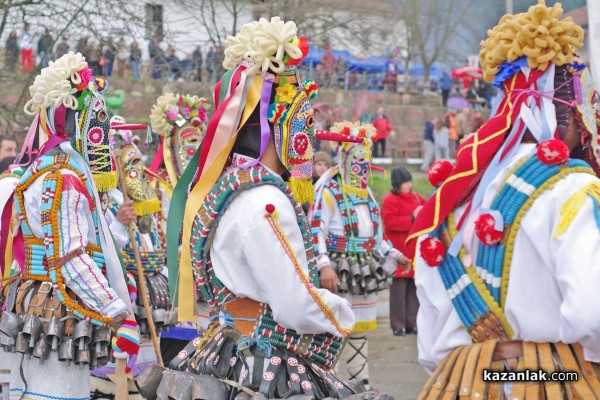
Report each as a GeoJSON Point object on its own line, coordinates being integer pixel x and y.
{"type": "Point", "coordinates": [70, 105]}
{"type": "Point", "coordinates": [293, 122]}
{"type": "Point", "coordinates": [355, 158]}
{"type": "Point", "coordinates": [139, 188]}
{"type": "Point", "coordinates": [181, 121]}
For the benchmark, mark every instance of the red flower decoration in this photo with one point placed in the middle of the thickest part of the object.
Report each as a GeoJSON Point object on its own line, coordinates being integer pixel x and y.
{"type": "Point", "coordinates": [553, 152]}
{"type": "Point", "coordinates": [439, 172]}
{"type": "Point", "coordinates": [304, 48]}
{"type": "Point", "coordinates": [433, 251]}
{"type": "Point", "coordinates": [270, 208]}
{"type": "Point", "coordinates": [485, 231]}
{"type": "Point", "coordinates": [301, 143]}
{"type": "Point", "coordinates": [346, 130]}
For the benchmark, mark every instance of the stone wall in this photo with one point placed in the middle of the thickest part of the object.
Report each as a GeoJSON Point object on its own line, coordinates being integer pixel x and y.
{"type": "Point", "coordinates": [407, 111]}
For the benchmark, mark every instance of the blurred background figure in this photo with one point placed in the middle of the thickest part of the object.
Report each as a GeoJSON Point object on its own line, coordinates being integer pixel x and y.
{"type": "Point", "coordinates": [44, 48]}
{"type": "Point", "coordinates": [12, 51]}
{"type": "Point", "coordinates": [323, 162]}
{"type": "Point", "coordinates": [8, 147]}
{"type": "Point", "coordinates": [382, 124]}
{"type": "Point", "coordinates": [26, 46]}
{"type": "Point", "coordinates": [428, 145]}
{"type": "Point", "coordinates": [398, 212]}
{"type": "Point", "coordinates": [441, 141]}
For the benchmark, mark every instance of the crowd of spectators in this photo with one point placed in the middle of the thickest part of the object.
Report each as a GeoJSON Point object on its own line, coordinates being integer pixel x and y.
{"type": "Point", "coordinates": [110, 56]}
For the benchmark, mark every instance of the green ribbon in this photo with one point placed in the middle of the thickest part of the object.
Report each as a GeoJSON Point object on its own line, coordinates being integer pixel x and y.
{"type": "Point", "coordinates": [175, 222]}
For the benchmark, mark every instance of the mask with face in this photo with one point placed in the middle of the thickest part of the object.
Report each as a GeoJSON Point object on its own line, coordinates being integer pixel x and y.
{"type": "Point", "coordinates": [355, 158]}
{"type": "Point", "coordinates": [293, 122]}
{"type": "Point", "coordinates": [181, 121]}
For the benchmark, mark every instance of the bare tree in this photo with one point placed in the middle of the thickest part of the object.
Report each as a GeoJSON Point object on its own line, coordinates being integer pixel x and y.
{"type": "Point", "coordinates": [96, 18]}
{"type": "Point", "coordinates": [432, 25]}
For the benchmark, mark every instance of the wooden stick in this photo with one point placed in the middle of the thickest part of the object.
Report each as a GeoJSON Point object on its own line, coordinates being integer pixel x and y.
{"type": "Point", "coordinates": [120, 379]}
{"type": "Point", "coordinates": [138, 262]}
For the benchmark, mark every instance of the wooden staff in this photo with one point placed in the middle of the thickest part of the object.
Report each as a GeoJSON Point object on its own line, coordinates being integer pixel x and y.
{"type": "Point", "coordinates": [138, 262]}
{"type": "Point", "coordinates": [120, 380]}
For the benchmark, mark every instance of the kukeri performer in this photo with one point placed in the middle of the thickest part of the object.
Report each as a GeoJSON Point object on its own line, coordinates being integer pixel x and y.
{"type": "Point", "coordinates": [248, 243]}
{"type": "Point", "coordinates": [507, 248]}
{"type": "Point", "coordinates": [347, 229]}
{"type": "Point", "coordinates": [151, 241]}
{"type": "Point", "coordinates": [71, 291]}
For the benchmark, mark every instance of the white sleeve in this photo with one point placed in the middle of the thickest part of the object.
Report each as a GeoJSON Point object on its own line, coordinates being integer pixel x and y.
{"type": "Point", "coordinates": [322, 257]}
{"type": "Point", "coordinates": [264, 258]}
{"type": "Point", "coordinates": [440, 328]}
{"type": "Point", "coordinates": [119, 231]}
{"type": "Point", "coordinates": [577, 272]}
{"type": "Point", "coordinates": [81, 274]}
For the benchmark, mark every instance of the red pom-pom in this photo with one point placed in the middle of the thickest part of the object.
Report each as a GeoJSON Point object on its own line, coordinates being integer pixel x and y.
{"type": "Point", "coordinates": [270, 208]}
{"type": "Point", "coordinates": [433, 251]}
{"type": "Point", "coordinates": [485, 231]}
{"type": "Point", "coordinates": [439, 172]}
{"type": "Point", "coordinates": [553, 152]}
{"type": "Point", "coordinates": [196, 122]}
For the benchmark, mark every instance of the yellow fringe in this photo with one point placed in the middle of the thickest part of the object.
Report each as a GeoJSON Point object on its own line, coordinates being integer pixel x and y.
{"type": "Point", "coordinates": [303, 190]}
{"type": "Point", "coordinates": [328, 200]}
{"type": "Point", "coordinates": [360, 193]}
{"type": "Point", "coordinates": [105, 181]}
{"type": "Point", "coordinates": [146, 207]}
{"type": "Point", "coordinates": [570, 209]}
{"type": "Point", "coordinates": [364, 326]}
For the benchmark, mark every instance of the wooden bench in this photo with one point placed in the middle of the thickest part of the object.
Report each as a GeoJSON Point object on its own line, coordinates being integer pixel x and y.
{"type": "Point", "coordinates": [410, 148]}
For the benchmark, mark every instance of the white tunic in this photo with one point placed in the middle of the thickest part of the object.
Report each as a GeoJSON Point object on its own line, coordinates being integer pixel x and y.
{"type": "Point", "coordinates": [363, 305]}
{"type": "Point", "coordinates": [553, 289]}
{"type": "Point", "coordinates": [248, 257]}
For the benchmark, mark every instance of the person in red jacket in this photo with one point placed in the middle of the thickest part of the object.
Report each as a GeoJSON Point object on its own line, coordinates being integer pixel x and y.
{"type": "Point", "coordinates": [382, 124]}
{"type": "Point", "coordinates": [398, 212]}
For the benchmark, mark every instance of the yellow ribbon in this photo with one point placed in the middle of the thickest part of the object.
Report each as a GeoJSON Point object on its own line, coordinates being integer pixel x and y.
{"type": "Point", "coordinates": [169, 162]}
{"type": "Point", "coordinates": [210, 174]}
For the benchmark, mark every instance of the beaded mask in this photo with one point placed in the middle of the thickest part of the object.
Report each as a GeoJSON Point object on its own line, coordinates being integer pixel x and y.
{"type": "Point", "coordinates": [355, 158]}
{"type": "Point", "coordinates": [181, 120]}
{"type": "Point", "coordinates": [91, 137]}
{"type": "Point", "coordinates": [139, 188]}
{"type": "Point", "coordinates": [354, 167]}
{"type": "Point", "coordinates": [294, 134]}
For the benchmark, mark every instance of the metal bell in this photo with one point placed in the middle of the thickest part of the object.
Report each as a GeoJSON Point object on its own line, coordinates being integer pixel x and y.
{"type": "Point", "coordinates": [148, 381]}
{"type": "Point", "coordinates": [55, 332]}
{"type": "Point", "coordinates": [389, 266]}
{"type": "Point", "coordinates": [159, 316]}
{"type": "Point", "coordinates": [355, 271]}
{"type": "Point", "coordinates": [66, 351]}
{"type": "Point", "coordinates": [371, 286]}
{"type": "Point", "coordinates": [7, 343]}
{"type": "Point", "coordinates": [181, 386]}
{"type": "Point", "coordinates": [82, 357]}
{"type": "Point", "coordinates": [22, 344]}
{"type": "Point", "coordinates": [162, 393]}
{"type": "Point", "coordinates": [100, 342]}
{"type": "Point", "coordinates": [11, 324]}
{"type": "Point", "coordinates": [206, 387]}
{"type": "Point", "coordinates": [41, 350]}
{"type": "Point", "coordinates": [82, 333]}
{"type": "Point", "coordinates": [32, 329]}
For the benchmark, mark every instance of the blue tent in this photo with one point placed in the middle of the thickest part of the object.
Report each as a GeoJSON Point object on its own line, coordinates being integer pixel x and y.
{"type": "Point", "coordinates": [314, 56]}
{"type": "Point", "coordinates": [435, 72]}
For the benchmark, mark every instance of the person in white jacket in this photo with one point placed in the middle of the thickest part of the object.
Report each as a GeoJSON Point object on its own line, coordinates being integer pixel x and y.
{"type": "Point", "coordinates": [248, 249]}
{"type": "Point", "coordinates": [507, 246]}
